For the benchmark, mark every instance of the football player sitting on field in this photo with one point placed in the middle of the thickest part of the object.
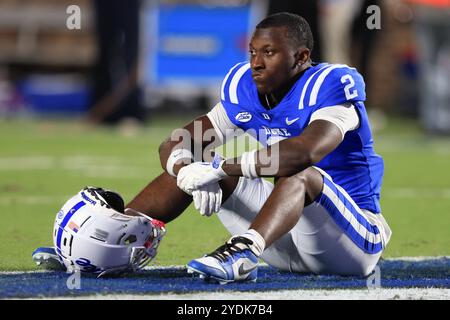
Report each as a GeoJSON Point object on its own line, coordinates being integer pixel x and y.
{"type": "Point", "coordinates": [322, 213]}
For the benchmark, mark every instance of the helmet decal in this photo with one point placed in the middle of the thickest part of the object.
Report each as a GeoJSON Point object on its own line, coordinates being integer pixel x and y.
{"type": "Point", "coordinates": [63, 224]}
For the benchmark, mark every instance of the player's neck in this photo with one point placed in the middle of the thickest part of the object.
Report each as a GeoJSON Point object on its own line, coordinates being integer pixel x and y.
{"type": "Point", "coordinates": [272, 99]}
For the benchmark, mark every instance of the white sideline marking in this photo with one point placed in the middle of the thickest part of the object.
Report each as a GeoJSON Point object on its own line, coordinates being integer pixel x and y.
{"type": "Point", "coordinates": [261, 264]}
{"type": "Point", "coordinates": [302, 294]}
{"type": "Point", "coordinates": [311, 294]}
{"type": "Point", "coordinates": [408, 193]}
{"type": "Point", "coordinates": [26, 163]}
{"type": "Point", "coordinates": [32, 200]}
{"type": "Point", "coordinates": [20, 272]}
{"type": "Point", "coordinates": [419, 258]}
{"type": "Point", "coordinates": [88, 166]}
{"type": "Point", "coordinates": [396, 193]}
{"type": "Point", "coordinates": [400, 144]}
{"type": "Point", "coordinates": [176, 267]}
{"type": "Point", "coordinates": [181, 267]}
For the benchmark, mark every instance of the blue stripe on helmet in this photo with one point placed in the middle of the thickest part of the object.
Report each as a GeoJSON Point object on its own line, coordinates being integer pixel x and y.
{"type": "Point", "coordinates": [65, 221]}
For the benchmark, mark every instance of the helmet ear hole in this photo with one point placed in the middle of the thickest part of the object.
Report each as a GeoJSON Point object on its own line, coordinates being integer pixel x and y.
{"type": "Point", "coordinates": [130, 239]}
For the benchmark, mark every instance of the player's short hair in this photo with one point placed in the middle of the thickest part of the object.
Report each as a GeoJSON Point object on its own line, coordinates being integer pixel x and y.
{"type": "Point", "coordinates": [298, 29]}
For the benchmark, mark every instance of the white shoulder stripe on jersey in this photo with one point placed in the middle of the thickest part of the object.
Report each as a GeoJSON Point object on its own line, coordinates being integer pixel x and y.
{"type": "Point", "coordinates": [319, 82]}
{"type": "Point", "coordinates": [300, 105]}
{"type": "Point", "coordinates": [234, 82]}
{"type": "Point", "coordinates": [222, 89]}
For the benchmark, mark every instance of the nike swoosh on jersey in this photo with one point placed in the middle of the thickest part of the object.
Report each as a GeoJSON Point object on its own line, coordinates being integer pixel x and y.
{"type": "Point", "coordinates": [289, 122]}
{"type": "Point", "coordinates": [243, 271]}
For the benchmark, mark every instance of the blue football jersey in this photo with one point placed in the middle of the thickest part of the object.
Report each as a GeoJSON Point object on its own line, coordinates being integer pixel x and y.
{"type": "Point", "coordinates": [353, 165]}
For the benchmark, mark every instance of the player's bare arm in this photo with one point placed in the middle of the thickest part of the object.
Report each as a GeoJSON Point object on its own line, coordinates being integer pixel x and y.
{"type": "Point", "coordinates": [191, 137]}
{"type": "Point", "coordinates": [161, 198]}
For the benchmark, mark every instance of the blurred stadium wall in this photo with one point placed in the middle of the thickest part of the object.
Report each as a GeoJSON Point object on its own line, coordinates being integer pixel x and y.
{"type": "Point", "coordinates": [41, 58]}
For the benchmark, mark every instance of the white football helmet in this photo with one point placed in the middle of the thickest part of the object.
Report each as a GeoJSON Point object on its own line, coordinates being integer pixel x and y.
{"type": "Point", "coordinates": [91, 234]}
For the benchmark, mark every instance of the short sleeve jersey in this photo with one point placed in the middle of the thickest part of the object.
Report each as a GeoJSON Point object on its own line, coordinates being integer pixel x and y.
{"type": "Point", "coordinates": [353, 165]}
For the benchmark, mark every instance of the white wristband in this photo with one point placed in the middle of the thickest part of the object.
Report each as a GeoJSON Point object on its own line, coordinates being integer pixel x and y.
{"type": "Point", "coordinates": [248, 164]}
{"type": "Point", "coordinates": [176, 155]}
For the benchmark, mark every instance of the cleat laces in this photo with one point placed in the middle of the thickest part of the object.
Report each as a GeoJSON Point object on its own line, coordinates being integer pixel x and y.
{"type": "Point", "coordinates": [232, 246]}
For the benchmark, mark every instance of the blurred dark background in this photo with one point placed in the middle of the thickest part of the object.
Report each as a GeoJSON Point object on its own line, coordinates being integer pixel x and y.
{"type": "Point", "coordinates": [131, 60]}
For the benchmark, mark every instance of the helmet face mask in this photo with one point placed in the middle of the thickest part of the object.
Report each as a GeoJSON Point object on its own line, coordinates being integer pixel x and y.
{"type": "Point", "coordinates": [92, 236]}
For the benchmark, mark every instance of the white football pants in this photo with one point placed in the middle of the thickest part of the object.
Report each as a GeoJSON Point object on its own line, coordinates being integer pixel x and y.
{"type": "Point", "coordinates": [333, 236]}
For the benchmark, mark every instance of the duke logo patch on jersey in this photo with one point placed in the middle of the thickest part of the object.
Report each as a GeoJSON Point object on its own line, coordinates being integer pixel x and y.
{"type": "Point", "coordinates": [243, 117]}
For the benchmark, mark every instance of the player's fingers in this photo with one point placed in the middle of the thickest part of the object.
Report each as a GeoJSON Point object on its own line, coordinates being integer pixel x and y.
{"type": "Point", "coordinates": [204, 202]}
{"type": "Point", "coordinates": [212, 203]}
{"type": "Point", "coordinates": [208, 207]}
{"type": "Point", "coordinates": [218, 200]}
{"type": "Point", "coordinates": [197, 199]}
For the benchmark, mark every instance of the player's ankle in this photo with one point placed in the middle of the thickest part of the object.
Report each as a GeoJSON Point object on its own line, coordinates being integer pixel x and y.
{"type": "Point", "coordinates": [259, 243]}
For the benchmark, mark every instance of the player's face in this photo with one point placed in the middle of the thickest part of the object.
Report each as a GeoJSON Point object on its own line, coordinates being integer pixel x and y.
{"type": "Point", "coordinates": [272, 58]}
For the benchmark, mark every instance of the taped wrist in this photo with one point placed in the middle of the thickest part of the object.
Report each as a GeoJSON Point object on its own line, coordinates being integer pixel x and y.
{"type": "Point", "coordinates": [176, 155]}
{"type": "Point", "coordinates": [248, 164]}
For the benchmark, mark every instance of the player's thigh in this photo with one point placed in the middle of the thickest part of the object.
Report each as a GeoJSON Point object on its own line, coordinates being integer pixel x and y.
{"type": "Point", "coordinates": [324, 248]}
{"type": "Point", "coordinates": [335, 236]}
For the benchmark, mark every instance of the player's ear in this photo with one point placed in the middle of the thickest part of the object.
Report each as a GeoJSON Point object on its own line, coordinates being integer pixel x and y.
{"type": "Point", "coordinates": [302, 55]}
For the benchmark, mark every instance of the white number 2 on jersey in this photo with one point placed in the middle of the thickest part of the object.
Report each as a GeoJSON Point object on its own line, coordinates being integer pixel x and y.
{"type": "Point", "coordinates": [350, 84]}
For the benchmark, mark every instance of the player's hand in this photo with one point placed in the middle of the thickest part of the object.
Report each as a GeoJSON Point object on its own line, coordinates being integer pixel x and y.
{"type": "Point", "coordinates": [208, 199]}
{"type": "Point", "coordinates": [199, 174]}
